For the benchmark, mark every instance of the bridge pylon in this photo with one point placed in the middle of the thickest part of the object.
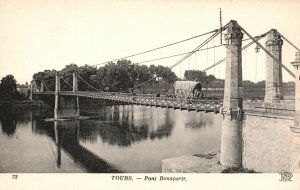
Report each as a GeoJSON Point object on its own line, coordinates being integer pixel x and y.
{"type": "Point", "coordinates": [66, 107]}
{"type": "Point", "coordinates": [31, 91]}
{"type": "Point", "coordinates": [75, 89]}
{"type": "Point", "coordinates": [273, 89]}
{"type": "Point", "coordinates": [75, 82]}
{"type": "Point", "coordinates": [231, 138]}
{"type": "Point", "coordinates": [42, 86]}
{"type": "Point", "coordinates": [33, 88]}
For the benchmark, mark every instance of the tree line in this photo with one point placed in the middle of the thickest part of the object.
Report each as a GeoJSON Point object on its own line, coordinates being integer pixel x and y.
{"type": "Point", "coordinates": [119, 76]}
{"type": "Point", "coordinates": [212, 82]}
{"type": "Point", "coordinates": [8, 89]}
{"type": "Point", "coordinates": [122, 75]}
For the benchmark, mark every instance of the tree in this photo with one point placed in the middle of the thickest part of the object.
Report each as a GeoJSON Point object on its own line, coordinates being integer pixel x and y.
{"type": "Point", "coordinates": [47, 76]}
{"type": "Point", "coordinates": [248, 83]}
{"type": "Point", "coordinates": [195, 75]}
{"type": "Point", "coordinates": [117, 76]}
{"type": "Point", "coordinates": [218, 83]}
{"type": "Point", "coordinates": [67, 73]}
{"type": "Point", "coordinates": [168, 75]}
{"type": "Point", "coordinates": [8, 88]}
{"type": "Point", "coordinates": [143, 73]}
{"type": "Point", "coordinates": [289, 84]}
{"type": "Point", "coordinates": [162, 72]}
{"type": "Point", "coordinates": [209, 79]}
{"type": "Point", "coordinates": [114, 76]}
{"type": "Point", "coordinates": [86, 72]}
{"type": "Point", "coordinates": [260, 84]}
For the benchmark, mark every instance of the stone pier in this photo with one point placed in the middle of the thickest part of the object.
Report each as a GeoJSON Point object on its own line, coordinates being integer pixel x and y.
{"type": "Point", "coordinates": [66, 107]}
{"type": "Point", "coordinates": [75, 89]}
{"type": "Point", "coordinates": [42, 87]}
{"type": "Point", "coordinates": [273, 89]}
{"type": "Point", "coordinates": [57, 90]}
{"type": "Point", "coordinates": [231, 139]}
{"type": "Point", "coordinates": [31, 91]}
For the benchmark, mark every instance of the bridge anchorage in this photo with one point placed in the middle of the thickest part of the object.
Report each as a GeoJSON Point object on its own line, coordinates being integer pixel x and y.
{"type": "Point", "coordinates": [274, 117]}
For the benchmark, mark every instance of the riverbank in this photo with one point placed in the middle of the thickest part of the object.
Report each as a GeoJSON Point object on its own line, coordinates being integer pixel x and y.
{"type": "Point", "coordinates": [208, 162]}
{"type": "Point", "coordinates": [22, 105]}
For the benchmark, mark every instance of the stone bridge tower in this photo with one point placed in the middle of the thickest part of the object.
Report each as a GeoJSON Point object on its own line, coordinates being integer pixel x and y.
{"type": "Point", "coordinates": [231, 139]}
{"type": "Point", "coordinates": [66, 107]}
{"type": "Point", "coordinates": [273, 89]}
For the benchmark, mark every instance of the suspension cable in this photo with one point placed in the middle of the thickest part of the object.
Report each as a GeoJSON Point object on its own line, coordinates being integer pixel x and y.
{"type": "Point", "coordinates": [164, 46]}
{"type": "Point", "coordinates": [246, 46]}
{"type": "Point", "coordinates": [245, 63]}
{"type": "Point", "coordinates": [199, 47]}
{"type": "Point", "coordinates": [175, 55]}
{"type": "Point", "coordinates": [43, 80]}
{"type": "Point", "coordinates": [266, 51]}
{"type": "Point", "coordinates": [256, 67]}
{"type": "Point", "coordinates": [66, 82]}
{"type": "Point", "coordinates": [206, 54]}
{"type": "Point", "coordinates": [289, 41]}
{"type": "Point", "coordinates": [45, 86]}
{"type": "Point", "coordinates": [219, 62]}
{"type": "Point", "coordinates": [87, 83]}
{"type": "Point", "coordinates": [214, 57]}
{"type": "Point", "coordinates": [219, 71]}
{"type": "Point", "coordinates": [191, 53]}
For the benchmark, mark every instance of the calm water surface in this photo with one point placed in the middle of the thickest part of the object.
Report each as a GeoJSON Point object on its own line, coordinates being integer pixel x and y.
{"type": "Point", "coordinates": [121, 139]}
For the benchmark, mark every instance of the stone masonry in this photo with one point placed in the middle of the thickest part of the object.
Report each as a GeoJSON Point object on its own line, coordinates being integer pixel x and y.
{"type": "Point", "coordinates": [295, 154]}
{"type": "Point", "coordinates": [259, 136]}
{"type": "Point", "coordinates": [267, 136]}
{"type": "Point", "coordinates": [65, 106]}
{"type": "Point", "coordinates": [273, 89]}
{"type": "Point", "coordinates": [231, 139]}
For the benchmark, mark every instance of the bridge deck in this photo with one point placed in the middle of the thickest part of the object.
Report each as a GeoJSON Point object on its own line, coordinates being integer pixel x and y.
{"type": "Point", "coordinates": [206, 105]}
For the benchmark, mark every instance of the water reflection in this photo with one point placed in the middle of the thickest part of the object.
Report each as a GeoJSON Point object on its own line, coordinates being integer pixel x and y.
{"type": "Point", "coordinates": [201, 122]}
{"type": "Point", "coordinates": [8, 125]}
{"type": "Point", "coordinates": [123, 126]}
{"type": "Point", "coordinates": [66, 137]}
{"type": "Point", "coordinates": [9, 120]}
{"type": "Point", "coordinates": [120, 139]}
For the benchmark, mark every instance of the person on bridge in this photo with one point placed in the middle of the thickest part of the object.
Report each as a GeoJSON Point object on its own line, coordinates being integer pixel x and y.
{"type": "Point", "coordinates": [197, 90]}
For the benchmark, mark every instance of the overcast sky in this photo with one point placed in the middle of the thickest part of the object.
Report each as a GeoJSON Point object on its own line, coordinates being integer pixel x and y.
{"type": "Point", "coordinates": [48, 34]}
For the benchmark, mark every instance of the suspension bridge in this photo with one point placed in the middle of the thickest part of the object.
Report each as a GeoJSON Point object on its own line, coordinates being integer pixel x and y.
{"type": "Point", "coordinates": [239, 115]}
{"type": "Point", "coordinates": [208, 104]}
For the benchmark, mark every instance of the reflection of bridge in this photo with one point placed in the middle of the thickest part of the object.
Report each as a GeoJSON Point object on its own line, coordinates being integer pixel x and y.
{"type": "Point", "coordinates": [67, 138]}
{"type": "Point", "coordinates": [240, 119]}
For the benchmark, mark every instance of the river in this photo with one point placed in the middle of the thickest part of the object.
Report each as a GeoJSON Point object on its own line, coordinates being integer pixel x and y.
{"type": "Point", "coordinates": [125, 138]}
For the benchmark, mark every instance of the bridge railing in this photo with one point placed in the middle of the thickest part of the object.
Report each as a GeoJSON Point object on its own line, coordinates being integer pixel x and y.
{"type": "Point", "coordinates": [150, 100]}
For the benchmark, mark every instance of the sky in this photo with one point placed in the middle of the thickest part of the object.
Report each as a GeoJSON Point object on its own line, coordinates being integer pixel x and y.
{"type": "Point", "coordinates": [48, 34]}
